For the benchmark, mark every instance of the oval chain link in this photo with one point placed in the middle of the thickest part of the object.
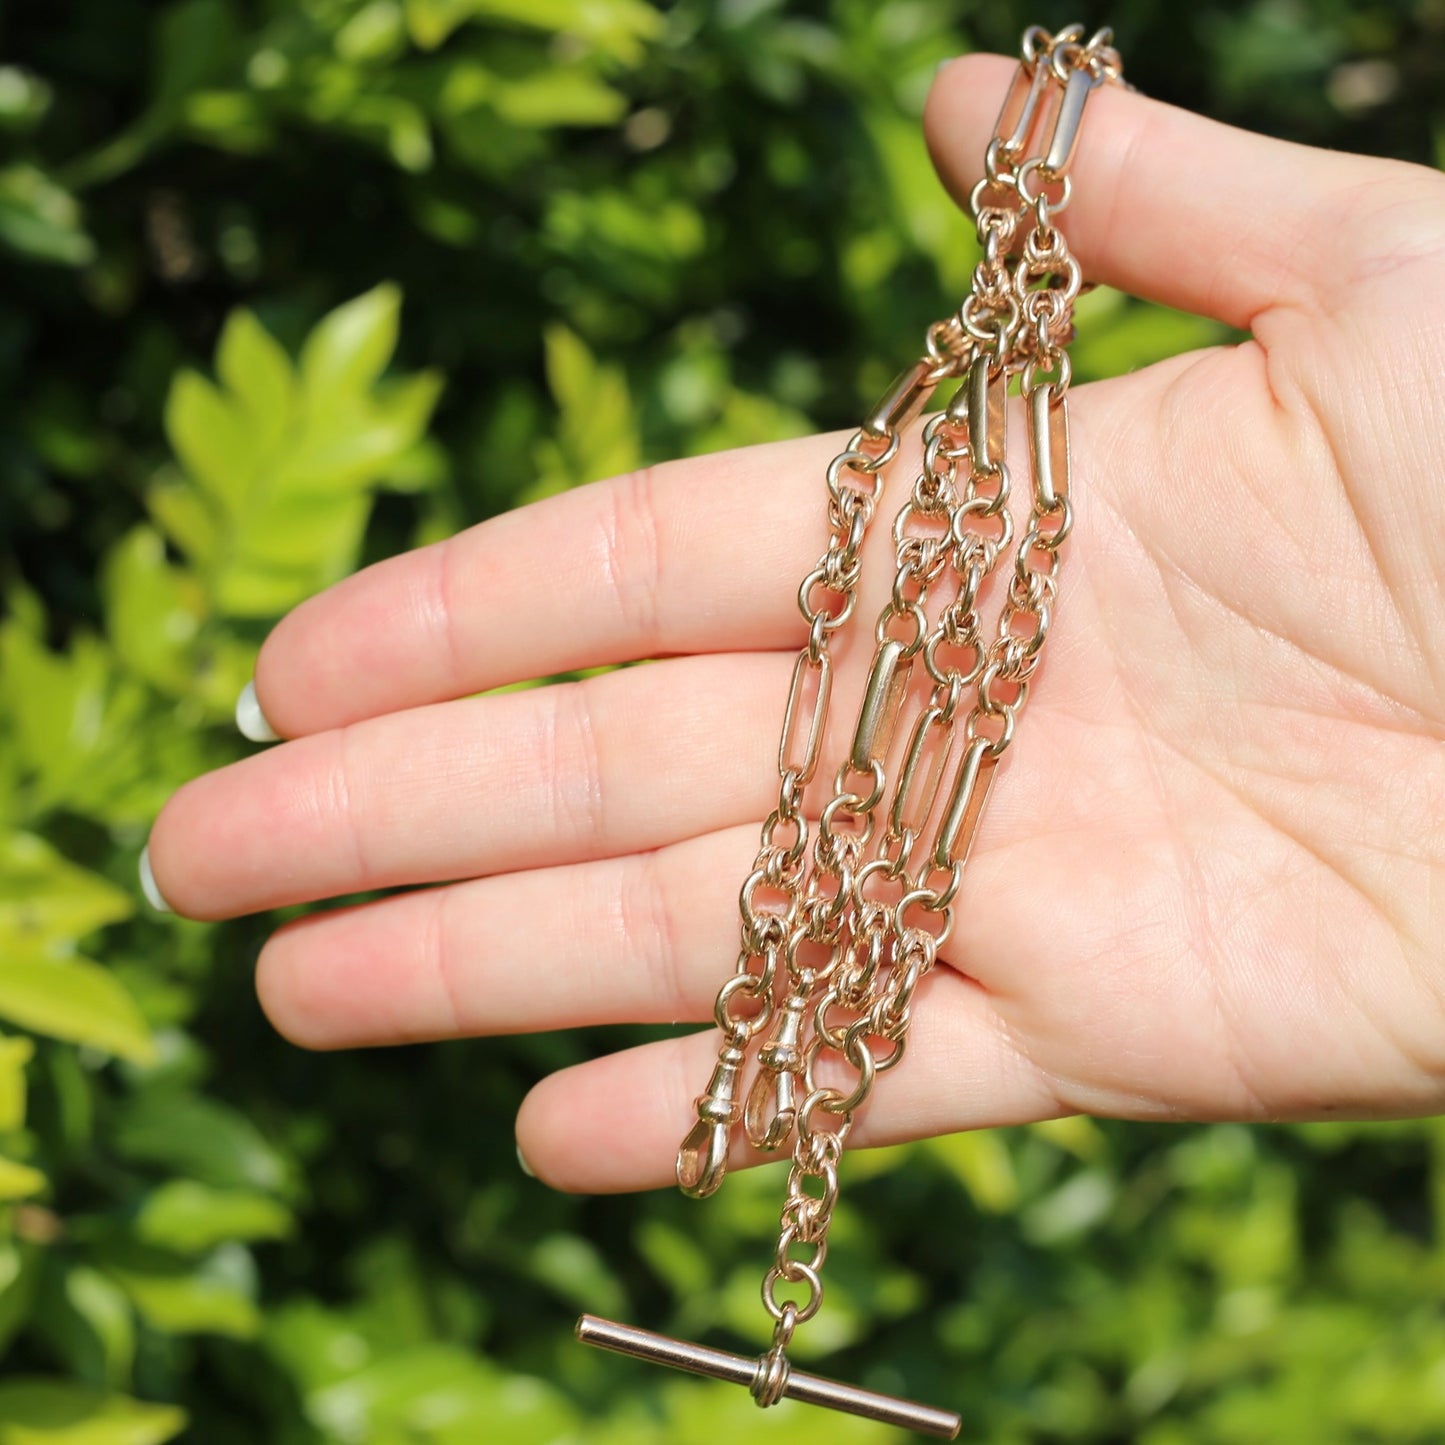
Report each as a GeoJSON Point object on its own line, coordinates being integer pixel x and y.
{"type": "Point", "coordinates": [832, 955]}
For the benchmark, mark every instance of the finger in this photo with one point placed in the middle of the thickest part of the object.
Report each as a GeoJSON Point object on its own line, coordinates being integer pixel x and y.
{"type": "Point", "coordinates": [641, 939]}
{"type": "Point", "coordinates": [614, 1123]}
{"type": "Point", "coordinates": [1180, 209]}
{"type": "Point", "coordinates": [523, 780]}
{"type": "Point", "coordinates": [691, 556]}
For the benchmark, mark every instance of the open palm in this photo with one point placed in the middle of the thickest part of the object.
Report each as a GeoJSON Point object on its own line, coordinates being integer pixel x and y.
{"type": "Point", "coordinates": [1211, 881]}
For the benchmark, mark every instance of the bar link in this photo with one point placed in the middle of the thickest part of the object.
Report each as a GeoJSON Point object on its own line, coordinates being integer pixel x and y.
{"type": "Point", "coordinates": [1048, 446]}
{"type": "Point", "coordinates": [751, 1373]}
{"type": "Point", "coordinates": [902, 404]}
{"type": "Point", "coordinates": [806, 765]}
{"type": "Point", "coordinates": [965, 804]}
{"type": "Point", "coordinates": [882, 698]}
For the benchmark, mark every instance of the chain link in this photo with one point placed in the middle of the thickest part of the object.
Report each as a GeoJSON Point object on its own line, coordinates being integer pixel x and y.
{"type": "Point", "coordinates": [836, 939]}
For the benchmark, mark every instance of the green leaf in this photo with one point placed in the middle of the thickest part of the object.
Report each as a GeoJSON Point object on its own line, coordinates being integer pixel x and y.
{"type": "Point", "coordinates": [616, 28]}
{"type": "Point", "coordinates": [36, 1411]}
{"type": "Point", "coordinates": [88, 1321]}
{"type": "Point", "coordinates": [154, 611]}
{"type": "Point", "coordinates": [74, 1000]}
{"type": "Point", "coordinates": [350, 347]}
{"type": "Point", "coordinates": [19, 1181]}
{"type": "Point", "coordinates": [438, 1393]}
{"type": "Point", "coordinates": [66, 710]}
{"type": "Point", "coordinates": [14, 1055]}
{"type": "Point", "coordinates": [258, 373]}
{"type": "Point", "coordinates": [597, 432]}
{"type": "Point", "coordinates": [198, 1137]}
{"type": "Point", "coordinates": [40, 220]}
{"type": "Point", "coordinates": [185, 1298]}
{"type": "Point", "coordinates": [980, 1160]}
{"type": "Point", "coordinates": [190, 1218]}
{"type": "Point", "coordinates": [47, 902]}
{"type": "Point", "coordinates": [21, 1267]}
{"type": "Point", "coordinates": [212, 438]}
{"type": "Point", "coordinates": [556, 97]}
{"type": "Point", "coordinates": [197, 43]}
{"type": "Point", "coordinates": [280, 460]}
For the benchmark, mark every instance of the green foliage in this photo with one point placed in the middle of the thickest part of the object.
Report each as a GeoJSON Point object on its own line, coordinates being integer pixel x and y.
{"type": "Point", "coordinates": [623, 232]}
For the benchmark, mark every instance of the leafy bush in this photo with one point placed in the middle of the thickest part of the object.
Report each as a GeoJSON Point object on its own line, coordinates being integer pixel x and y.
{"type": "Point", "coordinates": [621, 232]}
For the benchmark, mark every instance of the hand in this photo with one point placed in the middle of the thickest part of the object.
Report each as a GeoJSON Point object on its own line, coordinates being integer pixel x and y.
{"type": "Point", "coordinates": [1211, 880]}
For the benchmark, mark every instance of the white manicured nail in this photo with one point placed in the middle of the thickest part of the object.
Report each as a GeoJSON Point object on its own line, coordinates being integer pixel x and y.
{"type": "Point", "coordinates": [251, 720]}
{"type": "Point", "coordinates": [522, 1160]}
{"type": "Point", "coordinates": [154, 896]}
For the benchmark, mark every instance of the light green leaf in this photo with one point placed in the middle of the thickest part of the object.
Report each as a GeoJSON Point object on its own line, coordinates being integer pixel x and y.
{"type": "Point", "coordinates": [597, 433]}
{"type": "Point", "coordinates": [572, 1267]}
{"type": "Point", "coordinates": [556, 97]}
{"type": "Point", "coordinates": [71, 999]}
{"type": "Point", "coordinates": [617, 28]}
{"type": "Point", "coordinates": [350, 347]}
{"type": "Point", "coordinates": [35, 1411]}
{"type": "Point", "coordinates": [289, 454]}
{"type": "Point", "coordinates": [212, 438]}
{"type": "Point", "coordinates": [438, 1393]}
{"type": "Point", "coordinates": [153, 611]}
{"type": "Point", "coordinates": [19, 1181]}
{"type": "Point", "coordinates": [58, 703]}
{"type": "Point", "coordinates": [186, 519]}
{"type": "Point", "coordinates": [254, 367]}
{"type": "Point", "coordinates": [184, 1299]}
{"type": "Point", "coordinates": [980, 1160]}
{"type": "Point", "coordinates": [191, 1218]}
{"type": "Point", "coordinates": [14, 1055]}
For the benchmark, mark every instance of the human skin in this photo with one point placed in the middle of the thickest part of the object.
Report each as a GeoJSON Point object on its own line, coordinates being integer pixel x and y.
{"type": "Point", "coordinates": [1210, 883]}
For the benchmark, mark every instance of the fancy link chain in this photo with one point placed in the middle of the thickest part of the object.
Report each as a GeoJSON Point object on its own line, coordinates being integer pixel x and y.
{"type": "Point", "coordinates": [833, 947]}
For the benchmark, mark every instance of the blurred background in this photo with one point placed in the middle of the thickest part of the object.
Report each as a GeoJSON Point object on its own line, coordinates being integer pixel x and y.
{"type": "Point", "coordinates": [293, 284]}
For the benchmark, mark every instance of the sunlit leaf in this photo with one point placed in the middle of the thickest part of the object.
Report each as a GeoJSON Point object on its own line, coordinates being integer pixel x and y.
{"type": "Point", "coordinates": [37, 1411]}
{"type": "Point", "coordinates": [17, 1181]}
{"type": "Point", "coordinates": [72, 999]}
{"type": "Point", "coordinates": [185, 1298]}
{"type": "Point", "coordinates": [350, 348]}
{"type": "Point", "coordinates": [190, 1218]}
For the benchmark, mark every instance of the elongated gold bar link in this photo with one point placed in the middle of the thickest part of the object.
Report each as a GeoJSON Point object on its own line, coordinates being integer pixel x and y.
{"type": "Point", "coordinates": [987, 392]}
{"type": "Point", "coordinates": [965, 805]}
{"type": "Point", "coordinates": [788, 760]}
{"type": "Point", "coordinates": [1080, 85]}
{"type": "Point", "coordinates": [882, 697]}
{"type": "Point", "coordinates": [1020, 113]}
{"type": "Point", "coordinates": [902, 404]}
{"type": "Point", "coordinates": [1048, 447]}
{"type": "Point", "coordinates": [922, 772]}
{"type": "Point", "coordinates": [743, 1370]}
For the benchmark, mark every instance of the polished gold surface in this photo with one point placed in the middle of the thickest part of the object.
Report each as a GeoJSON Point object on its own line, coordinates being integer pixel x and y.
{"type": "Point", "coordinates": [840, 921]}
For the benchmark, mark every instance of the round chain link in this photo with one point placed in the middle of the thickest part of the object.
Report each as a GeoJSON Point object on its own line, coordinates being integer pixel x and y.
{"type": "Point", "coordinates": [837, 938]}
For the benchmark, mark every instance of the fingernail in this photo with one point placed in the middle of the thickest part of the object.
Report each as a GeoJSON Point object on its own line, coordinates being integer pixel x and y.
{"type": "Point", "coordinates": [154, 896]}
{"type": "Point", "coordinates": [947, 60]}
{"type": "Point", "coordinates": [251, 720]}
{"type": "Point", "coordinates": [522, 1160]}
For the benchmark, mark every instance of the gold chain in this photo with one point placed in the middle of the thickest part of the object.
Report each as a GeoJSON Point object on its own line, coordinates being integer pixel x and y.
{"type": "Point", "coordinates": [845, 942]}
